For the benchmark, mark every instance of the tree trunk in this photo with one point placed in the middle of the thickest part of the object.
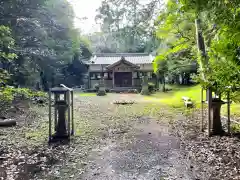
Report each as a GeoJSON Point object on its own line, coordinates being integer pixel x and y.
{"type": "Point", "coordinates": [8, 123]}
{"type": "Point", "coordinates": [201, 47]}
{"type": "Point", "coordinates": [44, 82]}
{"type": "Point", "coordinates": [164, 84]}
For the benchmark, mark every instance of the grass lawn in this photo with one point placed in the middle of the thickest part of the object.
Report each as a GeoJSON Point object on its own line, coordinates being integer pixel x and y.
{"type": "Point", "coordinates": [82, 94]}
{"type": "Point", "coordinates": [174, 98]}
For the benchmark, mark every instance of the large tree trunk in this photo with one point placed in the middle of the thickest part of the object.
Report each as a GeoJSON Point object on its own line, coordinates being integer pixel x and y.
{"type": "Point", "coordinates": [44, 82]}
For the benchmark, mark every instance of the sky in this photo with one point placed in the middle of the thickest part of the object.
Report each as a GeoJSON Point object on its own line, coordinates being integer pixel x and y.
{"type": "Point", "coordinates": [86, 8]}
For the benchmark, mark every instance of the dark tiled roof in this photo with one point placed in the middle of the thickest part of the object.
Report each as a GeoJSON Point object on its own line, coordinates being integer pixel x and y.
{"type": "Point", "coordinates": [110, 58]}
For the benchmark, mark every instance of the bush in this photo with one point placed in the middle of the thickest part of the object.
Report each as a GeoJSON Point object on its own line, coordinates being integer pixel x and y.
{"type": "Point", "coordinates": [10, 95]}
{"type": "Point", "coordinates": [134, 91]}
{"type": "Point", "coordinates": [151, 87]}
{"type": "Point", "coordinates": [21, 94]}
{"type": "Point", "coordinates": [6, 98]}
{"type": "Point", "coordinates": [39, 94]}
{"type": "Point", "coordinates": [235, 128]}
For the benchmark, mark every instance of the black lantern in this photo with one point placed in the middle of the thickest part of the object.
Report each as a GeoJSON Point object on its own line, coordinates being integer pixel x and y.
{"type": "Point", "coordinates": [62, 105]}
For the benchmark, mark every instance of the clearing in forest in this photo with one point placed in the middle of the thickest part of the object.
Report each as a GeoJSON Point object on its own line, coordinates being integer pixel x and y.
{"type": "Point", "coordinates": [117, 142]}
{"type": "Point", "coordinates": [111, 142]}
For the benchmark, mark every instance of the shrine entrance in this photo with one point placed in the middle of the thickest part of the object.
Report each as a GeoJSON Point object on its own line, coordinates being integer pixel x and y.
{"type": "Point", "coordinates": [123, 79]}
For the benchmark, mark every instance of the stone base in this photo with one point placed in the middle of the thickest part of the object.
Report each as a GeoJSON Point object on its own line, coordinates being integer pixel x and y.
{"type": "Point", "coordinates": [101, 93]}
{"type": "Point", "coordinates": [145, 91]}
{"type": "Point", "coordinates": [59, 138]}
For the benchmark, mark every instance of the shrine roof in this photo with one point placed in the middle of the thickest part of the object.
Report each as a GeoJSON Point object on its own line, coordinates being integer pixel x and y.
{"type": "Point", "coordinates": [111, 58]}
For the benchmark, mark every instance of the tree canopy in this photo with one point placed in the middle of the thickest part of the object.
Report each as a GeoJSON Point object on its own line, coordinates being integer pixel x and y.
{"type": "Point", "coordinates": [126, 26]}
{"type": "Point", "coordinates": [219, 24]}
{"type": "Point", "coordinates": [40, 40]}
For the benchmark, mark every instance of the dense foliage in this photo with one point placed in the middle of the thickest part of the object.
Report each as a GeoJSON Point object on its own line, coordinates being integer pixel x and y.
{"type": "Point", "coordinates": [219, 24]}
{"type": "Point", "coordinates": [39, 43]}
{"type": "Point", "coordinates": [176, 58]}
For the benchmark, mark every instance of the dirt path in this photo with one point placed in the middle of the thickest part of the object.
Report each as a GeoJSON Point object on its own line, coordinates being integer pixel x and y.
{"type": "Point", "coordinates": [145, 150]}
{"type": "Point", "coordinates": [111, 142]}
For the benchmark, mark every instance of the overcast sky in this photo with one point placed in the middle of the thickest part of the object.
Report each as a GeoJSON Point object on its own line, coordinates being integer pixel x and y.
{"type": "Point", "coordinates": [86, 8]}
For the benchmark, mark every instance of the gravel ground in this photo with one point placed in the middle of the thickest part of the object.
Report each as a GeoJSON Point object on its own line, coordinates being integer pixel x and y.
{"type": "Point", "coordinates": [111, 142]}
{"type": "Point", "coordinates": [138, 147]}
{"type": "Point", "coordinates": [118, 142]}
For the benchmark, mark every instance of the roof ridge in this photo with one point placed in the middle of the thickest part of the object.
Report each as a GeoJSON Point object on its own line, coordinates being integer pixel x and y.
{"type": "Point", "coordinates": [119, 54]}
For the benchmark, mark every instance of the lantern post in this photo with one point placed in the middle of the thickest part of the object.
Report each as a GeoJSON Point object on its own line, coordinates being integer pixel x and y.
{"type": "Point", "coordinates": [63, 126]}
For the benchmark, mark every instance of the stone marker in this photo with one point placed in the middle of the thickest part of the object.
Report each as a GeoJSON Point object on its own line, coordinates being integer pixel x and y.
{"type": "Point", "coordinates": [102, 90]}
{"type": "Point", "coordinates": [145, 90]}
{"type": "Point", "coordinates": [187, 102]}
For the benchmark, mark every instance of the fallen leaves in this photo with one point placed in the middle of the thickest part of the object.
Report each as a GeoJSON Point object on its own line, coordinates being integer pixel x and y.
{"type": "Point", "coordinates": [211, 158]}
{"type": "Point", "coordinates": [25, 154]}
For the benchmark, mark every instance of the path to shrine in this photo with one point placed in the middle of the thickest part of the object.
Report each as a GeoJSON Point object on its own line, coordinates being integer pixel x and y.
{"type": "Point", "coordinates": [111, 142]}
{"type": "Point", "coordinates": [136, 141]}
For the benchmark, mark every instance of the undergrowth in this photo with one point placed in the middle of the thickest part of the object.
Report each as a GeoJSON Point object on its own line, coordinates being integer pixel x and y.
{"type": "Point", "coordinates": [9, 96]}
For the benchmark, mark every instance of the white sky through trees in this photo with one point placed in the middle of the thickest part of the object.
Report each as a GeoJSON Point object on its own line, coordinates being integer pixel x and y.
{"type": "Point", "coordinates": [86, 8]}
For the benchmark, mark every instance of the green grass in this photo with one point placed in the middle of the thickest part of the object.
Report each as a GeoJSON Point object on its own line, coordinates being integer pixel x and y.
{"type": "Point", "coordinates": [87, 94]}
{"type": "Point", "coordinates": [235, 110]}
{"type": "Point", "coordinates": [174, 98]}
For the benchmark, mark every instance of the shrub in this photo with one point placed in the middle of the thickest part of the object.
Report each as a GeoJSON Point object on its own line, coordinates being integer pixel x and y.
{"type": "Point", "coordinates": [134, 91]}
{"type": "Point", "coordinates": [6, 98]}
{"type": "Point", "coordinates": [39, 94]}
{"type": "Point", "coordinates": [10, 95]}
{"type": "Point", "coordinates": [20, 94]}
{"type": "Point", "coordinates": [235, 128]}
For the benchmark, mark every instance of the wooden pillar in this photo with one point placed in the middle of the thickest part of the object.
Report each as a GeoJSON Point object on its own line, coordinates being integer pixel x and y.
{"type": "Point", "coordinates": [209, 99]}
{"type": "Point", "coordinates": [89, 80]}
{"type": "Point", "coordinates": [133, 84]}
{"type": "Point", "coordinates": [113, 78]}
{"type": "Point", "coordinates": [56, 98]}
{"type": "Point", "coordinates": [202, 110]}
{"type": "Point", "coordinates": [72, 132]}
{"type": "Point", "coordinates": [50, 116]}
{"type": "Point", "coordinates": [228, 112]}
{"type": "Point", "coordinates": [69, 112]}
